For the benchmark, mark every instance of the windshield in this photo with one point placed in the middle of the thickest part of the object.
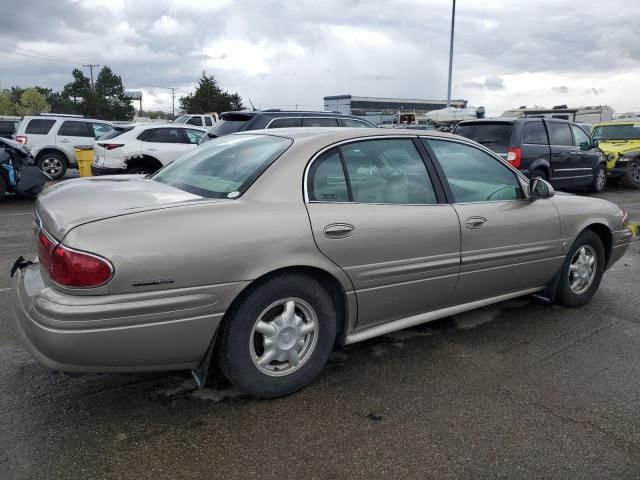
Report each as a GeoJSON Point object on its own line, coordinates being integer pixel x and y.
{"type": "Point", "coordinates": [182, 119]}
{"type": "Point", "coordinates": [225, 167]}
{"type": "Point", "coordinates": [486, 133]}
{"type": "Point", "coordinates": [617, 132]}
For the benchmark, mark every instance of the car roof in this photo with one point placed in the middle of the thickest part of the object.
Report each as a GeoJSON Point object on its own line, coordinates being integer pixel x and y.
{"type": "Point", "coordinates": [344, 133]}
{"type": "Point", "coordinates": [617, 122]}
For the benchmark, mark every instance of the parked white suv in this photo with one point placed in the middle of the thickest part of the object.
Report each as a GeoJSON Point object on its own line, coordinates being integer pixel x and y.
{"type": "Point", "coordinates": [52, 138]}
{"type": "Point", "coordinates": [143, 148]}
{"type": "Point", "coordinates": [197, 120]}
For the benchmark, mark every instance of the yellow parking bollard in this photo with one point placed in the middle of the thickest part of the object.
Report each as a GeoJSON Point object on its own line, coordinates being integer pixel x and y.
{"type": "Point", "coordinates": [84, 156]}
{"type": "Point", "coordinates": [634, 228]}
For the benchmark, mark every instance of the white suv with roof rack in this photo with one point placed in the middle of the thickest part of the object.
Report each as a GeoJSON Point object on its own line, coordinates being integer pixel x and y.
{"type": "Point", "coordinates": [143, 148]}
{"type": "Point", "coordinates": [52, 138]}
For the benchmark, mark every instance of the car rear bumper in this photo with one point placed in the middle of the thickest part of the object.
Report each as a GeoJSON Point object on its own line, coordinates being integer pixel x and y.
{"type": "Point", "coordinates": [97, 171]}
{"type": "Point", "coordinates": [153, 330]}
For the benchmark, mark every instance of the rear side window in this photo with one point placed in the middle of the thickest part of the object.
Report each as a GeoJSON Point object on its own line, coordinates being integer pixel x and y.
{"type": "Point", "coordinates": [71, 128]}
{"type": "Point", "coordinates": [207, 121]}
{"type": "Point", "coordinates": [115, 132]}
{"type": "Point", "coordinates": [39, 127]}
{"type": "Point", "coordinates": [487, 133]}
{"type": "Point", "coordinates": [535, 133]}
{"type": "Point", "coordinates": [560, 134]}
{"type": "Point", "coordinates": [350, 122]}
{"type": "Point", "coordinates": [285, 123]}
{"type": "Point", "coordinates": [328, 183]}
{"type": "Point", "coordinates": [319, 122]}
{"type": "Point", "coordinates": [195, 121]}
{"type": "Point", "coordinates": [7, 126]}
{"type": "Point", "coordinates": [162, 135]}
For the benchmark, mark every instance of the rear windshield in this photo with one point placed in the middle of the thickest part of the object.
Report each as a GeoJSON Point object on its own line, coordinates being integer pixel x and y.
{"type": "Point", "coordinates": [224, 167]}
{"type": "Point", "coordinates": [182, 119]}
{"type": "Point", "coordinates": [7, 125]}
{"type": "Point", "coordinates": [230, 123]}
{"type": "Point", "coordinates": [617, 132]}
{"type": "Point", "coordinates": [488, 134]}
{"type": "Point", "coordinates": [115, 132]}
{"type": "Point", "coordinates": [39, 127]}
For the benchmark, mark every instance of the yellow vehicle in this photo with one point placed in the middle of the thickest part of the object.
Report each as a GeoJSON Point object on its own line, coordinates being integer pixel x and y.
{"type": "Point", "coordinates": [620, 143]}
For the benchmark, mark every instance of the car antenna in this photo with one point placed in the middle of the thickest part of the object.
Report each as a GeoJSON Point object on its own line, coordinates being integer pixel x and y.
{"type": "Point", "coordinates": [254, 108]}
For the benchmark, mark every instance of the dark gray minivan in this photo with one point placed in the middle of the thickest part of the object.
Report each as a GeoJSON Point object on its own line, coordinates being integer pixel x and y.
{"type": "Point", "coordinates": [556, 150]}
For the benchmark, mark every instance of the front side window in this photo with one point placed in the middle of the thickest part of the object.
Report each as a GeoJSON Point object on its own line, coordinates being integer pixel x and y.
{"type": "Point", "coordinates": [208, 122]}
{"type": "Point", "coordinates": [319, 122]}
{"type": "Point", "coordinates": [162, 135]}
{"type": "Point", "coordinates": [285, 123]}
{"type": "Point", "coordinates": [581, 138]}
{"type": "Point", "coordinates": [224, 167]}
{"type": "Point", "coordinates": [193, 135]}
{"type": "Point", "coordinates": [560, 134]}
{"type": "Point", "coordinates": [378, 171]}
{"type": "Point", "coordinates": [473, 175]}
{"type": "Point", "coordinates": [71, 128]}
{"type": "Point", "coordinates": [39, 127]}
{"type": "Point", "coordinates": [535, 133]}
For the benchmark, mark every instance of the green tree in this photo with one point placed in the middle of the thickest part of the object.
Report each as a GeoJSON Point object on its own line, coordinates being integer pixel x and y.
{"type": "Point", "coordinates": [32, 102]}
{"type": "Point", "coordinates": [111, 102]}
{"type": "Point", "coordinates": [209, 97]}
{"type": "Point", "coordinates": [7, 105]}
{"type": "Point", "coordinates": [77, 96]}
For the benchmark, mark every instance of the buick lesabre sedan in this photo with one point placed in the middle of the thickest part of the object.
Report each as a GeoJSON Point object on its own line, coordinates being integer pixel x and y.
{"type": "Point", "coordinates": [259, 251]}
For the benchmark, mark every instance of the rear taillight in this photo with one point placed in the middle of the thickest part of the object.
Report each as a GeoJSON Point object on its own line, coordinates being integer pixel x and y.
{"type": "Point", "coordinates": [514, 156]}
{"type": "Point", "coordinates": [21, 139]}
{"type": "Point", "coordinates": [110, 146]}
{"type": "Point", "coordinates": [72, 268]}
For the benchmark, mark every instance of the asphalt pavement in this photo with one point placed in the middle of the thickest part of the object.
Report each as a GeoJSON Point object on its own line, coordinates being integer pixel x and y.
{"type": "Point", "coordinates": [517, 390]}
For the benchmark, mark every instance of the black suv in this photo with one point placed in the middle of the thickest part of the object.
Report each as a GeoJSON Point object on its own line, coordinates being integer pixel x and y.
{"type": "Point", "coordinates": [232, 122]}
{"type": "Point", "coordinates": [556, 150]}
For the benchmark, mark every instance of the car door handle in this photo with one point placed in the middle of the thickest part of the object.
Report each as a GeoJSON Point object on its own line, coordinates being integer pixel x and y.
{"type": "Point", "coordinates": [152, 149]}
{"type": "Point", "coordinates": [64, 140]}
{"type": "Point", "coordinates": [475, 223]}
{"type": "Point", "coordinates": [339, 230]}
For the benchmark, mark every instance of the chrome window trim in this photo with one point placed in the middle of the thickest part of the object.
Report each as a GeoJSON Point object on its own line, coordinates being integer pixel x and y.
{"type": "Point", "coordinates": [571, 169]}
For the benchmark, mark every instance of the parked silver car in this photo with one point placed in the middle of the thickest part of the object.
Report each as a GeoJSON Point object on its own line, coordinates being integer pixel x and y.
{"type": "Point", "coordinates": [261, 250]}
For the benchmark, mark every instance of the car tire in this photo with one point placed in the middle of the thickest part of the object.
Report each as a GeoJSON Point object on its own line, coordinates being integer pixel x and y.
{"type": "Point", "coordinates": [538, 172]}
{"type": "Point", "coordinates": [53, 164]}
{"type": "Point", "coordinates": [3, 187]}
{"type": "Point", "coordinates": [631, 177]}
{"type": "Point", "coordinates": [578, 281]}
{"type": "Point", "coordinates": [599, 182]}
{"type": "Point", "coordinates": [299, 316]}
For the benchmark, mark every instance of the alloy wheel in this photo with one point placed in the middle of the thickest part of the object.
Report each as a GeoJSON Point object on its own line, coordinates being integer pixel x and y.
{"type": "Point", "coordinates": [284, 337]}
{"type": "Point", "coordinates": [582, 269]}
{"type": "Point", "coordinates": [634, 171]}
{"type": "Point", "coordinates": [52, 166]}
{"type": "Point", "coordinates": [601, 180]}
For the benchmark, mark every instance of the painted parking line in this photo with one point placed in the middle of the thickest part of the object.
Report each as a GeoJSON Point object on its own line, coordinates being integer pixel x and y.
{"type": "Point", "coordinates": [4, 289]}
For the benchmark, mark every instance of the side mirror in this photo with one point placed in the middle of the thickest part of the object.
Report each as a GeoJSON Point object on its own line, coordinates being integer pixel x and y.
{"type": "Point", "coordinates": [585, 146]}
{"type": "Point", "coordinates": [595, 142]}
{"type": "Point", "coordinates": [539, 188]}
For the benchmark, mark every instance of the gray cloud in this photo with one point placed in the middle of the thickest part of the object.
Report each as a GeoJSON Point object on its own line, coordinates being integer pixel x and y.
{"type": "Point", "coordinates": [594, 91]}
{"type": "Point", "coordinates": [279, 53]}
{"type": "Point", "coordinates": [562, 89]}
{"type": "Point", "coordinates": [489, 83]}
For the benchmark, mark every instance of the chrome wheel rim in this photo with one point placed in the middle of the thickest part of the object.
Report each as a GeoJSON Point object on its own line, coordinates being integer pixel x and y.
{"type": "Point", "coordinates": [634, 171]}
{"type": "Point", "coordinates": [601, 180]}
{"type": "Point", "coordinates": [52, 166]}
{"type": "Point", "coordinates": [284, 337]}
{"type": "Point", "coordinates": [582, 269]}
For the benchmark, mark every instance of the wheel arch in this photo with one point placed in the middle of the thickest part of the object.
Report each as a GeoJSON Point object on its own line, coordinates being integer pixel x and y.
{"type": "Point", "coordinates": [541, 164]}
{"type": "Point", "coordinates": [43, 151]}
{"type": "Point", "coordinates": [143, 159]}
{"type": "Point", "coordinates": [606, 235]}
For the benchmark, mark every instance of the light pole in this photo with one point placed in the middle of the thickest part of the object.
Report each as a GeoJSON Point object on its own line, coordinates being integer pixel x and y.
{"type": "Point", "coordinates": [453, 22]}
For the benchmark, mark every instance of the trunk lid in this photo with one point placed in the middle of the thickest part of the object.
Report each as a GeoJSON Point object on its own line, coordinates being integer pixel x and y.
{"type": "Point", "coordinates": [75, 202]}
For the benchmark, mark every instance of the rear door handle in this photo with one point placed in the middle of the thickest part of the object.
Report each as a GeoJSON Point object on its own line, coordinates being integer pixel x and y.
{"type": "Point", "coordinates": [475, 223]}
{"type": "Point", "coordinates": [339, 230]}
{"type": "Point", "coordinates": [64, 140]}
{"type": "Point", "coordinates": [152, 149]}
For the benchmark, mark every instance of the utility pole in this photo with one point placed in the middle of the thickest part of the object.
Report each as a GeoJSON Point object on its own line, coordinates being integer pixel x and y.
{"type": "Point", "coordinates": [453, 22]}
{"type": "Point", "coordinates": [91, 66]}
{"type": "Point", "coordinates": [173, 97]}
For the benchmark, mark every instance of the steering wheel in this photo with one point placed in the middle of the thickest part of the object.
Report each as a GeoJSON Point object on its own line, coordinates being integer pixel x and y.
{"type": "Point", "coordinates": [396, 175]}
{"type": "Point", "coordinates": [493, 195]}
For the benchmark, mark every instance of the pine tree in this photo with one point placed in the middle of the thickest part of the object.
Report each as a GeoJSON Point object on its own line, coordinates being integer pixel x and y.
{"type": "Point", "coordinates": [209, 97]}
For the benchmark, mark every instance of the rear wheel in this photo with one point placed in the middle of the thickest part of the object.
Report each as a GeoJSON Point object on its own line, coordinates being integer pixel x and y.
{"type": "Point", "coordinates": [632, 175]}
{"type": "Point", "coordinates": [599, 181]}
{"type": "Point", "coordinates": [3, 187]}
{"type": "Point", "coordinates": [279, 337]}
{"type": "Point", "coordinates": [582, 270]}
{"type": "Point", "coordinates": [53, 164]}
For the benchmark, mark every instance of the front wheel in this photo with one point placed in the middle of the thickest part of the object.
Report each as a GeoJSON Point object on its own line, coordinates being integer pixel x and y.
{"type": "Point", "coordinates": [632, 175]}
{"type": "Point", "coordinates": [582, 270]}
{"type": "Point", "coordinates": [599, 181]}
{"type": "Point", "coordinates": [279, 338]}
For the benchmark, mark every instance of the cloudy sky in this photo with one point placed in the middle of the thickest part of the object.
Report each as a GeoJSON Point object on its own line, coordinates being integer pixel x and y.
{"type": "Point", "coordinates": [282, 53]}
